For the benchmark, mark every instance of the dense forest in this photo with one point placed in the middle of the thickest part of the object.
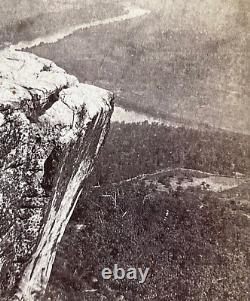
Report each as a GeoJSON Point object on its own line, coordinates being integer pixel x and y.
{"type": "Point", "coordinates": [133, 149]}
{"type": "Point", "coordinates": [194, 241]}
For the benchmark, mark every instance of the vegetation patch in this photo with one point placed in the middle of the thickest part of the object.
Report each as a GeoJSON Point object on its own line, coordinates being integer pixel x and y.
{"type": "Point", "coordinates": [195, 241]}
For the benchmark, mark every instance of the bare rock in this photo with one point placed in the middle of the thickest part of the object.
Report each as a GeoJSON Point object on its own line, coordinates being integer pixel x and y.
{"type": "Point", "coordinates": [51, 130]}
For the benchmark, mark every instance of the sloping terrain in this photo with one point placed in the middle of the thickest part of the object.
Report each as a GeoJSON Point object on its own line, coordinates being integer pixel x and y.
{"type": "Point", "coordinates": [190, 227]}
{"type": "Point", "coordinates": [184, 61]}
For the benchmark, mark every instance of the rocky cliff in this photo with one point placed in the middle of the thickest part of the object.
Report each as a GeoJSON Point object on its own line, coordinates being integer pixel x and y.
{"type": "Point", "coordinates": [51, 130]}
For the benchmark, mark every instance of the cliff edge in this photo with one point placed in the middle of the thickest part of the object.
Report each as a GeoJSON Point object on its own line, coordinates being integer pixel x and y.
{"type": "Point", "coordinates": [51, 130]}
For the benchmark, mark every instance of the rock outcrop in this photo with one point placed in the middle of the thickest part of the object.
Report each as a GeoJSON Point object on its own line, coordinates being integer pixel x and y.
{"type": "Point", "coordinates": [51, 130]}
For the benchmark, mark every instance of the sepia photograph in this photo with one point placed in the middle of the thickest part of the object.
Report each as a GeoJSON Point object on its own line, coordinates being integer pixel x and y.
{"type": "Point", "coordinates": [124, 150]}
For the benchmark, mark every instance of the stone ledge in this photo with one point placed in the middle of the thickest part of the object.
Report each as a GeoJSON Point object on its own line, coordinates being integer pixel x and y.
{"type": "Point", "coordinates": [51, 130]}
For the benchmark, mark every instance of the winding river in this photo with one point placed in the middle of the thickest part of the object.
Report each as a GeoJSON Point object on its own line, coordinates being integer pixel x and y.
{"type": "Point", "coordinates": [131, 13]}
{"type": "Point", "coordinates": [128, 116]}
{"type": "Point", "coordinates": [120, 114]}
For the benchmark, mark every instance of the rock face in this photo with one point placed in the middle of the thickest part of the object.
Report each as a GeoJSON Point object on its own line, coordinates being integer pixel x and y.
{"type": "Point", "coordinates": [51, 130]}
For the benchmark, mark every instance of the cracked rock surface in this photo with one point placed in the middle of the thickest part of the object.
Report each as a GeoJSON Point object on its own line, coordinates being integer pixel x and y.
{"type": "Point", "coordinates": [51, 130]}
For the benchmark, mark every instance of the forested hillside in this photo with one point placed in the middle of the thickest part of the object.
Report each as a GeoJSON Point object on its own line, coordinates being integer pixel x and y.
{"type": "Point", "coordinates": [194, 240]}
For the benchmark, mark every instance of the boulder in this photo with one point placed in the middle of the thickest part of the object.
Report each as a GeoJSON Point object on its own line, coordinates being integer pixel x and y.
{"type": "Point", "coordinates": [51, 130]}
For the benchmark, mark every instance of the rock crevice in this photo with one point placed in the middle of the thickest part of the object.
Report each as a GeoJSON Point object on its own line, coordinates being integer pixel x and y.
{"type": "Point", "coordinates": [51, 130]}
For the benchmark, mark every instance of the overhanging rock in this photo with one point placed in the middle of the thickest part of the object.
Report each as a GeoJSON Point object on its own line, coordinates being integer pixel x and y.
{"type": "Point", "coordinates": [51, 130]}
